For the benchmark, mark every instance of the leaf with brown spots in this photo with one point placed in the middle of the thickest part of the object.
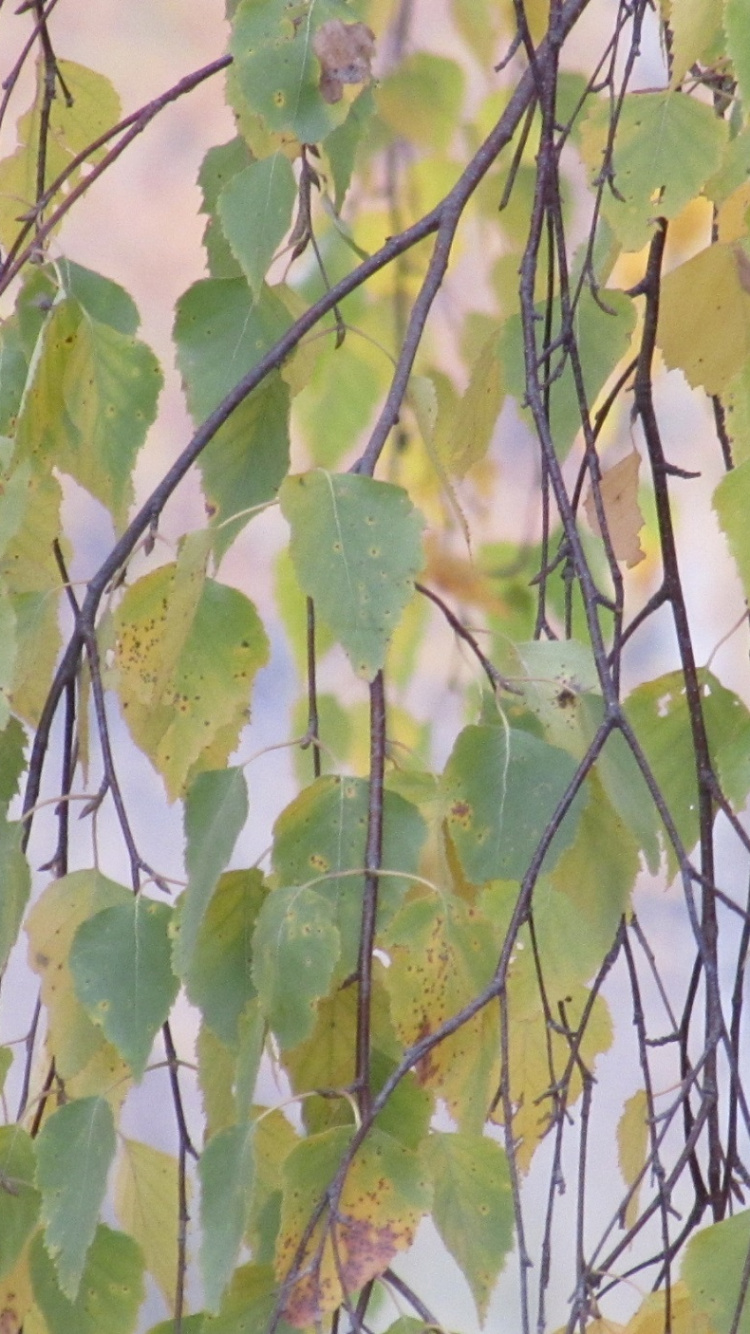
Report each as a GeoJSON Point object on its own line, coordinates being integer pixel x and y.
{"type": "Point", "coordinates": [345, 52]}
{"type": "Point", "coordinates": [356, 547]}
{"type": "Point", "coordinates": [384, 1196]}
{"type": "Point", "coordinates": [441, 955]}
{"type": "Point", "coordinates": [321, 836]}
{"type": "Point", "coordinates": [187, 651]}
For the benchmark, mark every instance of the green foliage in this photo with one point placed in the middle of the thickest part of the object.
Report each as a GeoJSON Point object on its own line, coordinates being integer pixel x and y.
{"type": "Point", "coordinates": [74, 1153]}
{"type": "Point", "coordinates": [447, 258]}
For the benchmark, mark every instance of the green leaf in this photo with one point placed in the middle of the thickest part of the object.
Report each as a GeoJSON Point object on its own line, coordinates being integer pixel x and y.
{"type": "Point", "coordinates": [249, 1303]}
{"type": "Point", "coordinates": [472, 1207]}
{"type": "Point", "coordinates": [74, 1151]}
{"type": "Point", "coordinates": [101, 298]}
{"type": "Point", "coordinates": [15, 879]}
{"type": "Point", "coordinates": [252, 1031]}
{"type": "Point", "coordinates": [331, 421]}
{"type": "Point", "coordinates": [356, 547]}
{"type": "Point", "coordinates": [296, 937]}
{"type": "Point", "coordinates": [187, 650]}
{"type": "Point", "coordinates": [730, 501]}
{"type": "Point", "coordinates": [277, 72]}
{"type": "Point", "coordinates": [255, 208]}
{"type": "Point", "coordinates": [603, 338]}
{"type": "Point", "coordinates": [220, 333]}
{"type": "Point", "coordinates": [667, 145]}
{"type": "Point", "coordinates": [342, 143]}
{"type": "Point", "coordinates": [424, 93]}
{"type": "Point", "coordinates": [245, 463]}
{"type": "Point", "coordinates": [19, 1199]}
{"type": "Point", "coordinates": [12, 743]}
{"type": "Point", "coordinates": [596, 875]}
{"type": "Point", "coordinates": [658, 711]}
{"type": "Point", "coordinates": [501, 787]}
{"type": "Point", "coordinates": [226, 1171]}
{"type": "Point", "coordinates": [147, 1206]}
{"type": "Point", "coordinates": [323, 832]}
{"type": "Point", "coordinates": [110, 1293]}
{"type": "Point", "coordinates": [219, 979]}
{"type": "Point", "coordinates": [712, 1268]}
{"type": "Point", "coordinates": [737, 29]}
{"type": "Point", "coordinates": [215, 812]}
{"type": "Point", "coordinates": [220, 164]}
{"type": "Point", "coordinates": [120, 961]}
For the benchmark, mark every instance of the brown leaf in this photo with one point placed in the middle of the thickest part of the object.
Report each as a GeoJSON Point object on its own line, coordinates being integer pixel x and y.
{"type": "Point", "coordinates": [619, 495]}
{"type": "Point", "coordinates": [361, 1252]}
{"type": "Point", "coordinates": [345, 52]}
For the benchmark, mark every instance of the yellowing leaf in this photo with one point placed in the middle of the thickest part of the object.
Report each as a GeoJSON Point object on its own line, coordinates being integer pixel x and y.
{"type": "Point", "coordinates": [695, 24]}
{"type": "Point", "coordinates": [383, 1199]}
{"type": "Point", "coordinates": [187, 650]}
{"type": "Point", "coordinates": [72, 1038]}
{"type": "Point", "coordinates": [74, 123]}
{"type": "Point", "coordinates": [704, 319]}
{"type": "Point", "coordinates": [441, 955]}
{"type": "Point", "coordinates": [466, 437]}
{"type": "Point", "coordinates": [619, 496]}
{"type": "Point", "coordinates": [538, 1058]}
{"type": "Point", "coordinates": [632, 1145]}
{"type": "Point", "coordinates": [685, 1315]}
{"type": "Point", "coordinates": [147, 1206]}
{"type": "Point", "coordinates": [712, 1268]}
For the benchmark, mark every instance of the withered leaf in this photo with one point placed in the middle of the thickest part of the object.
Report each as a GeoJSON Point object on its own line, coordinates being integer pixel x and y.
{"type": "Point", "coordinates": [619, 494]}
{"type": "Point", "coordinates": [345, 52]}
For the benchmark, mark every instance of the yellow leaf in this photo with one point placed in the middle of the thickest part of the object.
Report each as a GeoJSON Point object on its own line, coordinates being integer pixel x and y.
{"type": "Point", "coordinates": [72, 1038]}
{"type": "Point", "coordinates": [536, 1067]}
{"type": "Point", "coordinates": [632, 1145]}
{"type": "Point", "coordinates": [704, 321]}
{"type": "Point", "coordinates": [16, 1297]}
{"type": "Point", "coordinates": [684, 1319]}
{"type": "Point", "coordinates": [695, 24]}
{"type": "Point", "coordinates": [731, 219]}
{"type": "Point", "coordinates": [465, 438]}
{"type": "Point", "coordinates": [619, 496]}
{"type": "Point", "coordinates": [147, 1206]}
{"type": "Point", "coordinates": [216, 1071]}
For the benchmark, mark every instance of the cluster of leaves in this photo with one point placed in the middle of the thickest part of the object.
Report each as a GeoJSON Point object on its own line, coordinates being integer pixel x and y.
{"type": "Point", "coordinates": [424, 961]}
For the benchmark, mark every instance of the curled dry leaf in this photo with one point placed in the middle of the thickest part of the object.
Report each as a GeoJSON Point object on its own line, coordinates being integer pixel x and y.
{"type": "Point", "coordinates": [619, 494]}
{"type": "Point", "coordinates": [345, 52]}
